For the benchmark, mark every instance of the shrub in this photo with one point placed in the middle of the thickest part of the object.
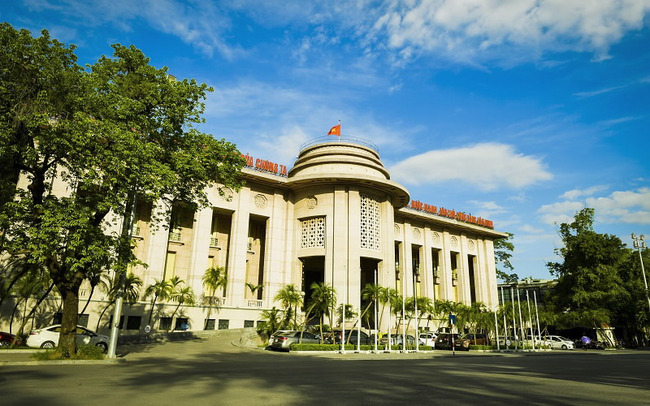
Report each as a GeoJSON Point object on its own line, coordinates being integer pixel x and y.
{"type": "Point", "coordinates": [84, 352]}
{"type": "Point", "coordinates": [348, 347]}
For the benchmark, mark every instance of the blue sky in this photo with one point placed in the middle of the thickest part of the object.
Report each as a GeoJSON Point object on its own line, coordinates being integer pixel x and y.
{"type": "Point", "coordinates": [519, 111]}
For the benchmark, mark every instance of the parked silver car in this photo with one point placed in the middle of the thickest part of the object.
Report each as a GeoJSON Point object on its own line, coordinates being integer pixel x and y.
{"type": "Point", "coordinates": [48, 337]}
{"type": "Point", "coordinates": [560, 343]}
{"type": "Point", "coordinates": [284, 340]}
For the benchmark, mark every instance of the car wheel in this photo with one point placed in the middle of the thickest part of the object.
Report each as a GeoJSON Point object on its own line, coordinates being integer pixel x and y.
{"type": "Point", "coordinates": [47, 344]}
{"type": "Point", "coordinates": [4, 343]}
{"type": "Point", "coordinates": [564, 347]}
{"type": "Point", "coordinates": [103, 346]}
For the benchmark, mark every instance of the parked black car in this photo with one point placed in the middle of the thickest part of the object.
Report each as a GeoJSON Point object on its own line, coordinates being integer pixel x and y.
{"type": "Point", "coordinates": [464, 342]}
{"type": "Point", "coordinates": [443, 341]}
{"type": "Point", "coordinates": [336, 337]}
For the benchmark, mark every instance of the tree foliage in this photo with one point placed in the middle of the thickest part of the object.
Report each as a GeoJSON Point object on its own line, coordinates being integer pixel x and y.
{"type": "Point", "coordinates": [589, 291]}
{"type": "Point", "coordinates": [84, 143]}
{"type": "Point", "coordinates": [503, 249]}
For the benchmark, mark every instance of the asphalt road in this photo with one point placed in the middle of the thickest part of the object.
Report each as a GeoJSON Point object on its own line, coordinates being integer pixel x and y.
{"type": "Point", "coordinates": [215, 372]}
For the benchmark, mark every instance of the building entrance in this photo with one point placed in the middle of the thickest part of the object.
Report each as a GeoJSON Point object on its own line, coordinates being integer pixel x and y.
{"type": "Point", "coordinates": [369, 273]}
{"type": "Point", "coordinates": [313, 271]}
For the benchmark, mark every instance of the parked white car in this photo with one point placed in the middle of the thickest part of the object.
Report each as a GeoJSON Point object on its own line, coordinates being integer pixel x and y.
{"type": "Point", "coordinates": [48, 337]}
{"type": "Point", "coordinates": [428, 338]}
{"type": "Point", "coordinates": [560, 343]}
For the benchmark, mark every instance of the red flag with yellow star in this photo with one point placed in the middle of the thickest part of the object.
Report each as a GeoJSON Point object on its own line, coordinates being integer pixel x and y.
{"type": "Point", "coordinates": [336, 130]}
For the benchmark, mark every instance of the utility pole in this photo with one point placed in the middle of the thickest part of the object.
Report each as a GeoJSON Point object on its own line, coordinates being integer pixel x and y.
{"type": "Point", "coordinates": [127, 231]}
{"type": "Point", "coordinates": [639, 244]}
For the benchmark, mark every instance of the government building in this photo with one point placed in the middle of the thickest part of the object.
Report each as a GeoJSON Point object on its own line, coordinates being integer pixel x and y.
{"type": "Point", "coordinates": [334, 217]}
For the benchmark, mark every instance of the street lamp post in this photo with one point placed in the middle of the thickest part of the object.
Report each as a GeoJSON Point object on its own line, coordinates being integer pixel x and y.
{"type": "Point", "coordinates": [639, 244]}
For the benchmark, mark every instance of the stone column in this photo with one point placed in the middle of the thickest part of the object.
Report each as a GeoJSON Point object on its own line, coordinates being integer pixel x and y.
{"type": "Point", "coordinates": [238, 249]}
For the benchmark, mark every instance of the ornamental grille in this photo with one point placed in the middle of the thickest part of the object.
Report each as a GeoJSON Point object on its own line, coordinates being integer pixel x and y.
{"type": "Point", "coordinates": [312, 233]}
{"type": "Point", "coordinates": [370, 223]}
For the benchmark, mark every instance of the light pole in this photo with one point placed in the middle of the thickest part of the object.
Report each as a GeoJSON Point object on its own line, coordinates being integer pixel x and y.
{"type": "Point", "coordinates": [639, 244]}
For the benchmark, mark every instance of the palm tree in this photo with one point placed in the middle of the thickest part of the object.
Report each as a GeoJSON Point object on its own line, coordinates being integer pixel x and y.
{"type": "Point", "coordinates": [323, 301]}
{"type": "Point", "coordinates": [254, 288]}
{"type": "Point", "coordinates": [370, 293]}
{"type": "Point", "coordinates": [385, 297]}
{"type": "Point", "coordinates": [290, 298]}
{"type": "Point", "coordinates": [160, 289]}
{"type": "Point", "coordinates": [350, 314]}
{"type": "Point", "coordinates": [271, 324]}
{"type": "Point", "coordinates": [95, 280]}
{"type": "Point", "coordinates": [182, 295]}
{"type": "Point", "coordinates": [425, 306]}
{"type": "Point", "coordinates": [213, 279]}
{"type": "Point", "coordinates": [130, 291]}
{"type": "Point", "coordinates": [25, 288]}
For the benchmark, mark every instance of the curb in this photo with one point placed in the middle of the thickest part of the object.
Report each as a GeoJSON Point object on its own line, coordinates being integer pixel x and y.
{"type": "Point", "coordinates": [64, 362]}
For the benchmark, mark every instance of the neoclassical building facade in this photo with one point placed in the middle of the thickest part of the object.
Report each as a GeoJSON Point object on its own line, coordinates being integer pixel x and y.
{"type": "Point", "coordinates": [334, 217]}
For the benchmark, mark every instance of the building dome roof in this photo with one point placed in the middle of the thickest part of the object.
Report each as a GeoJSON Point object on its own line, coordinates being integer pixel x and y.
{"type": "Point", "coordinates": [345, 162]}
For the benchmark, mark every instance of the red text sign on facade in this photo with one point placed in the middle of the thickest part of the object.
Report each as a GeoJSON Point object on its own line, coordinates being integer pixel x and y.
{"type": "Point", "coordinates": [264, 165]}
{"type": "Point", "coordinates": [441, 211]}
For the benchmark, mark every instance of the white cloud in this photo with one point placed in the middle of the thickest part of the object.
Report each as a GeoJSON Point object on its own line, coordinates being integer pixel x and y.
{"type": "Point", "coordinates": [561, 212]}
{"type": "Point", "coordinates": [527, 228]}
{"type": "Point", "coordinates": [467, 30]}
{"type": "Point", "coordinates": [200, 24]}
{"type": "Point", "coordinates": [598, 92]}
{"type": "Point", "coordinates": [487, 166]}
{"type": "Point", "coordinates": [576, 193]}
{"type": "Point", "coordinates": [631, 207]}
{"type": "Point", "coordinates": [283, 145]}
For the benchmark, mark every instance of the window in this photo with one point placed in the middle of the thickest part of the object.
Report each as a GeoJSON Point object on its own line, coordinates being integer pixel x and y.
{"type": "Point", "coordinates": [224, 324]}
{"type": "Point", "coordinates": [370, 223]}
{"type": "Point", "coordinates": [209, 324]}
{"type": "Point", "coordinates": [83, 320]}
{"type": "Point", "coordinates": [312, 233]}
{"type": "Point", "coordinates": [165, 323]}
{"type": "Point", "coordinates": [133, 322]}
{"type": "Point", "coordinates": [182, 323]}
{"type": "Point", "coordinates": [249, 323]}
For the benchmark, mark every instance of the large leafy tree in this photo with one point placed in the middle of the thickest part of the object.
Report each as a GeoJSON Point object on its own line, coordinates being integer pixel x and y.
{"type": "Point", "coordinates": [589, 291]}
{"type": "Point", "coordinates": [503, 249]}
{"type": "Point", "coordinates": [86, 143]}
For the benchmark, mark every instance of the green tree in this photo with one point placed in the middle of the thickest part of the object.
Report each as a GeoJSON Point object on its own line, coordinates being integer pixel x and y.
{"type": "Point", "coordinates": [350, 314]}
{"type": "Point", "coordinates": [160, 289]}
{"type": "Point", "coordinates": [322, 302]}
{"type": "Point", "coordinates": [589, 291]}
{"type": "Point", "coordinates": [120, 129]}
{"type": "Point", "coordinates": [635, 314]}
{"type": "Point", "coordinates": [503, 249]}
{"type": "Point", "coordinates": [255, 288]}
{"type": "Point", "coordinates": [271, 323]}
{"type": "Point", "coordinates": [128, 288]}
{"type": "Point", "coordinates": [369, 295]}
{"type": "Point", "coordinates": [182, 295]}
{"type": "Point", "coordinates": [213, 279]}
{"type": "Point", "coordinates": [290, 298]}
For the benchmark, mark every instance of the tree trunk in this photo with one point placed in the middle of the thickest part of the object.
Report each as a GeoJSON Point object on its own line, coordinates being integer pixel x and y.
{"type": "Point", "coordinates": [13, 313]}
{"type": "Point", "coordinates": [68, 336]}
{"type": "Point", "coordinates": [153, 304]}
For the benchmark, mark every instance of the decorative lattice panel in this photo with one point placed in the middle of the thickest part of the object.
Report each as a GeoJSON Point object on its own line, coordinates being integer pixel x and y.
{"type": "Point", "coordinates": [370, 236]}
{"type": "Point", "coordinates": [312, 233]}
